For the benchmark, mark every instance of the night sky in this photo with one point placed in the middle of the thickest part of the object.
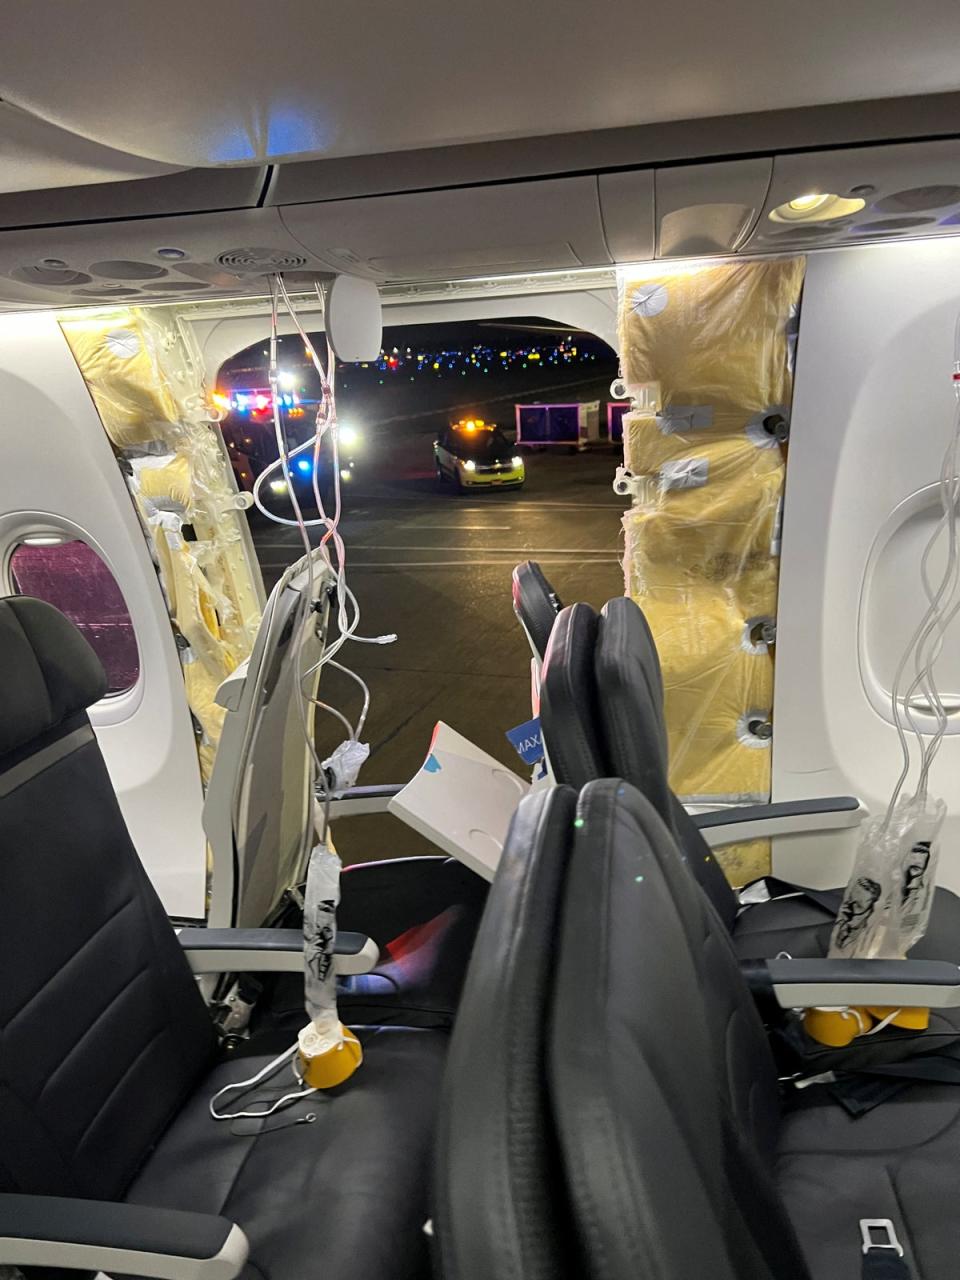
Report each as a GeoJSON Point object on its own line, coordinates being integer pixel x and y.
{"type": "Point", "coordinates": [431, 374]}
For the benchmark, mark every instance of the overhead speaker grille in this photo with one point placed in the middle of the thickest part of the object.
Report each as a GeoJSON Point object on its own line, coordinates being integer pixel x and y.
{"type": "Point", "coordinates": [259, 261]}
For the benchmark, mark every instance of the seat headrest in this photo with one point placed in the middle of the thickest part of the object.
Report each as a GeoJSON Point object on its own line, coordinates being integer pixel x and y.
{"type": "Point", "coordinates": [634, 734]}
{"type": "Point", "coordinates": [630, 701]}
{"type": "Point", "coordinates": [48, 672]}
{"type": "Point", "coordinates": [568, 699]}
{"type": "Point", "coordinates": [535, 603]}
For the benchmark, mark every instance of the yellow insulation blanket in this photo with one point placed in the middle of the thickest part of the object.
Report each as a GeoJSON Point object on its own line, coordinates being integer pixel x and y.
{"type": "Point", "coordinates": [119, 367]}
{"type": "Point", "coordinates": [710, 346]}
{"type": "Point", "coordinates": [145, 379]}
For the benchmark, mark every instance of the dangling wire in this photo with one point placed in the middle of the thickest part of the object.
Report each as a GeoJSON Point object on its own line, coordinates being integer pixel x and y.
{"type": "Point", "coordinates": [331, 549]}
{"type": "Point", "coordinates": [331, 554]}
{"type": "Point", "coordinates": [943, 604]}
{"type": "Point", "coordinates": [241, 1086]}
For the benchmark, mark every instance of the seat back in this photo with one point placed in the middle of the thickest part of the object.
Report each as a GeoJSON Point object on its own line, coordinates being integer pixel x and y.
{"type": "Point", "coordinates": [569, 714]}
{"type": "Point", "coordinates": [663, 1091]}
{"type": "Point", "coordinates": [498, 1204]}
{"type": "Point", "coordinates": [601, 714]}
{"type": "Point", "coordinates": [258, 812]}
{"type": "Point", "coordinates": [630, 705]}
{"type": "Point", "coordinates": [102, 1030]}
{"type": "Point", "coordinates": [536, 605]}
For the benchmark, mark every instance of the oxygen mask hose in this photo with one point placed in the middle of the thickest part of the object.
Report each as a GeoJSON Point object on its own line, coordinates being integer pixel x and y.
{"type": "Point", "coordinates": [887, 902]}
{"type": "Point", "coordinates": [329, 1052]}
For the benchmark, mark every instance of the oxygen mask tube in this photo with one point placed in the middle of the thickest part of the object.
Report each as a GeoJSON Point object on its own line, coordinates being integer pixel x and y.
{"type": "Point", "coordinates": [887, 902]}
{"type": "Point", "coordinates": [326, 1053]}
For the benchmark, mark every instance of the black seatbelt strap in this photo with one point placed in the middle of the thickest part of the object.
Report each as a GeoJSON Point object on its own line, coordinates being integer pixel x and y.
{"type": "Point", "coordinates": [882, 1251]}
{"type": "Point", "coordinates": [884, 1266]}
{"type": "Point", "coordinates": [828, 899]}
{"type": "Point", "coordinates": [937, 1068]}
{"type": "Point", "coordinates": [860, 1091]}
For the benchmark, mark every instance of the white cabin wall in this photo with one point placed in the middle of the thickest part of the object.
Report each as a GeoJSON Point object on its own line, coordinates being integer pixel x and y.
{"type": "Point", "coordinates": [58, 469]}
{"type": "Point", "coordinates": [872, 414]}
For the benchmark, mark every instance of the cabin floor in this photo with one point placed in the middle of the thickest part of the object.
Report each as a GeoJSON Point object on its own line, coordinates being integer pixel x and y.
{"type": "Point", "coordinates": [435, 567]}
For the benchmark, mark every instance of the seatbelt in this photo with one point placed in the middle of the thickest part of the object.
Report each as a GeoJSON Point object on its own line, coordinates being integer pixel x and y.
{"type": "Point", "coordinates": [882, 1251]}
{"type": "Point", "coordinates": [937, 1068]}
{"type": "Point", "coordinates": [828, 899]}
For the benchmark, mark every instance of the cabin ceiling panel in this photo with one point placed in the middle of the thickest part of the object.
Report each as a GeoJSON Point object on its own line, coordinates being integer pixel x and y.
{"type": "Point", "coordinates": [186, 84]}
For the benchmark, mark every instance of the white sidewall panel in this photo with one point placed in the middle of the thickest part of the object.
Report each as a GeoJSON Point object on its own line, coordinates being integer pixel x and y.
{"type": "Point", "coordinates": [57, 462]}
{"type": "Point", "coordinates": [872, 414]}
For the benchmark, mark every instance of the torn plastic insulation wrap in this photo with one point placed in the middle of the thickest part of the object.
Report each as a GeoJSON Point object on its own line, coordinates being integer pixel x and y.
{"type": "Point", "coordinates": [145, 376]}
{"type": "Point", "coordinates": [329, 1051]}
{"type": "Point", "coordinates": [706, 356]}
{"type": "Point", "coordinates": [342, 767]}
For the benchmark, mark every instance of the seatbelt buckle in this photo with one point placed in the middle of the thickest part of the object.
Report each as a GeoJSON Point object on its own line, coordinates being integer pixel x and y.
{"type": "Point", "coordinates": [888, 1236]}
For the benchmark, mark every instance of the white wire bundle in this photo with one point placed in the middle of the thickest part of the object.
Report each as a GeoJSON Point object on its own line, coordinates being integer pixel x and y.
{"type": "Point", "coordinates": [887, 902]}
{"type": "Point", "coordinates": [331, 549]}
{"type": "Point", "coordinates": [943, 603]}
{"type": "Point", "coordinates": [348, 619]}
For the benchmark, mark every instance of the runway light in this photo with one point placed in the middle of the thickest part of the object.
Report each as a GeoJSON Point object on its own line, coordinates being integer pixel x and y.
{"type": "Point", "coordinates": [278, 486]}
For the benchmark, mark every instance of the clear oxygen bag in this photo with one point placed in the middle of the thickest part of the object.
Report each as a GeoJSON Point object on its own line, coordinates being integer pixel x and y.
{"type": "Point", "coordinates": [885, 910]}
{"type": "Point", "coordinates": [329, 1051]}
{"type": "Point", "coordinates": [887, 901]}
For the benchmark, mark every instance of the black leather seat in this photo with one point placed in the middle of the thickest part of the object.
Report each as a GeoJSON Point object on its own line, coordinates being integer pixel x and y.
{"type": "Point", "coordinates": [678, 1159]}
{"type": "Point", "coordinates": [108, 1059]}
{"type": "Point", "coordinates": [536, 604]}
{"type": "Point", "coordinates": [601, 709]}
{"type": "Point", "coordinates": [498, 1197]}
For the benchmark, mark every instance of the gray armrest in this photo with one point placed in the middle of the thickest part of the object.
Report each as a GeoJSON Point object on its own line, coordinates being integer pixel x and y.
{"type": "Point", "coordinates": [270, 951]}
{"type": "Point", "coordinates": [358, 801]}
{"type": "Point", "coordinates": [781, 818]}
{"type": "Point", "coordinates": [909, 984]}
{"type": "Point", "coordinates": [127, 1239]}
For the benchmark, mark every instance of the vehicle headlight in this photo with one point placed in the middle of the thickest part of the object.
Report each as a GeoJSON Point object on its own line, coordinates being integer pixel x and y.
{"type": "Point", "coordinates": [469, 465]}
{"type": "Point", "coordinates": [278, 486]}
{"type": "Point", "coordinates": [517, 462]}
{"type": "Point", "coordinates": [349, 437]}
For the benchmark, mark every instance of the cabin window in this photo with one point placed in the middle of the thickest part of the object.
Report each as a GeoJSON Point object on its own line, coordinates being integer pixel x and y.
{"type": "Point", "coordinates": [70, 575]}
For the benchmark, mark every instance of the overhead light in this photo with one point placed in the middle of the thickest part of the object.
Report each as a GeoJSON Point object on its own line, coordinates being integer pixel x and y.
{"type": "Point", "coordinates": [44, 539]}
{"type": "Point", "coordinates": [816, 206]}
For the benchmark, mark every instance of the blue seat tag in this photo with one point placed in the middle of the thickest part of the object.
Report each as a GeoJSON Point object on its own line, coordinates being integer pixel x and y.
{"type": "Point", "coordinates": [527, 741]}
